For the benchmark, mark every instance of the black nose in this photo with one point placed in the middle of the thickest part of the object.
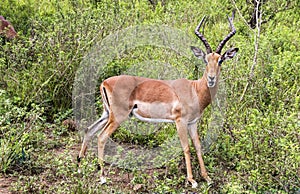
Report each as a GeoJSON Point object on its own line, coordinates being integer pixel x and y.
{"type": "Point", "coordinates": [211, 78]}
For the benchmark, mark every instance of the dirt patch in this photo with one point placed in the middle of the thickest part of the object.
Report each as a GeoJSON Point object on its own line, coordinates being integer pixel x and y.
{"type": "Point", "coordinates": [5, 183]}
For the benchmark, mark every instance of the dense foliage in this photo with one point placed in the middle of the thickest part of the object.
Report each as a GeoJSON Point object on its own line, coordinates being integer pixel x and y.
{"type": "Point", "coordinates": [258, 148]}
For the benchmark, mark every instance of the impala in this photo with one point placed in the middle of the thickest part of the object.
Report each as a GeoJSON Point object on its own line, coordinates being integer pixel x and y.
{"type": "Point", "coordinates": [178, 101]}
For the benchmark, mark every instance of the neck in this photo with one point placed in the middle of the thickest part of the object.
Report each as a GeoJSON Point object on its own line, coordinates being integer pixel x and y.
{"type": "Point", "coordinates": [205, 94]}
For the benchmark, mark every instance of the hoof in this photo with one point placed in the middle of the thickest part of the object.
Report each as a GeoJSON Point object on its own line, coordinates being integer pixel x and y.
{"type": "Point", "coordinates": [79, 171]}
{"type": "Point", "coordinates": [194, 185]}
{"type": "Point", "coordinates": [193, 182]}
{"type": "Point", "coordinates": [209, 181]}
{"type": "Point", "coordinates": [102, 180]}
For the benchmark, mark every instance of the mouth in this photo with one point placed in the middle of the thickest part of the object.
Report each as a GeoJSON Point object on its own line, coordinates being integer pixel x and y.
{"type": "Point", "coordinates": [211, 84]}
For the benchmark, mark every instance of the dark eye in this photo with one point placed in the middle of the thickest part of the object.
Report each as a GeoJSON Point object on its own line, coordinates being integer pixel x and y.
{"type": "Point", "coordinates": [220, 61]}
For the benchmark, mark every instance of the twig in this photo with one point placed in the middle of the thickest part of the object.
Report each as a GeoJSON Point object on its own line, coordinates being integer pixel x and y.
{"type": "Point", "coordinates": [233, 2]}
{"type": "Point", "coordinates": [256, 47]}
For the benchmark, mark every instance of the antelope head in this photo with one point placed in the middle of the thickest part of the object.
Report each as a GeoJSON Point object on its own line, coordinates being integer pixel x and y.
{"type": "Point", "coordinates": [213, 60]}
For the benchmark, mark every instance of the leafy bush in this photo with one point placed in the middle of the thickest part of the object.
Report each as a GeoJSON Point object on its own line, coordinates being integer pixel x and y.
{"type": "Point", "coordinates": [19, 132]}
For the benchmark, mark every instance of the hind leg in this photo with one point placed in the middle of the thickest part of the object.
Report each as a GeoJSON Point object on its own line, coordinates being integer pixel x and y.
{"type": "Point", "coordinates": [91, 131]}
{"type": "Point", "coordinates": [111, 126]}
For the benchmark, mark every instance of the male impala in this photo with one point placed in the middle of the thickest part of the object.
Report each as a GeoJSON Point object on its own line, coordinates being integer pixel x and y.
{"type": "Point", "coordinates": [180, 101]}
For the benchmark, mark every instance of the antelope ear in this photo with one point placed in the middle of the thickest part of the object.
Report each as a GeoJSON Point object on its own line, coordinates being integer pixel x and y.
{"type": "Point", "coordinates": [198, 52]}
{"type": "Point", "coordinates": [229, 54]}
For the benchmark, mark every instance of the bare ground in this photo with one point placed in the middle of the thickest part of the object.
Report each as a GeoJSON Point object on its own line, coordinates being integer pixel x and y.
{"type": "Point", "coordinates": [5, 183]}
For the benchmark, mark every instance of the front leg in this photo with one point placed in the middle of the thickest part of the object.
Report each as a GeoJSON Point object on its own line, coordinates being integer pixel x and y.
{"type": "Point", "coordinates": [195, 137]}
{"type": "Point", "coordinates": [182, 133]}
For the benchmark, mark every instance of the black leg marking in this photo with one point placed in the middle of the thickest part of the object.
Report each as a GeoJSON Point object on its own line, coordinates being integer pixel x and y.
{"type": "Point", "coordinates": [105, 94]}
{"type": "Point", "coordinates": [134, 107]}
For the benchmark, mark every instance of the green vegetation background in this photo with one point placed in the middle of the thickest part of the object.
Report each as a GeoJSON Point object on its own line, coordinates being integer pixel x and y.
{"type": "Point", "coordinates": [258, 149]}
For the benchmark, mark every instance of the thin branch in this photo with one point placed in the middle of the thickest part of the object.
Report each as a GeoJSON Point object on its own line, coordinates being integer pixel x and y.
{"type": "Point", "coordinates": [256, 47]}
{"type": "Point", "coordinates": [258, 26]}
{"type": "Point", "coordinates": [233, 2]}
